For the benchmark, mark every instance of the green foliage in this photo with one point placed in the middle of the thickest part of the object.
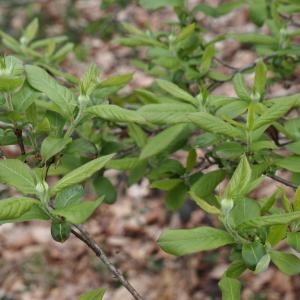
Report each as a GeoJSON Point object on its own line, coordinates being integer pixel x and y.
{"type": "Point", "coordinates": [170, 133]}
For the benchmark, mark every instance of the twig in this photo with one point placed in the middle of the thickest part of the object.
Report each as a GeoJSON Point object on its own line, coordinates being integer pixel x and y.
{"type": "Point", "coordinates": [19, 136]}
{"type": "Point", "coordinates": [225, 64]}
{"type": "Point", "coordinates": [283, 181]}
{"type": "Point", "coordinates": [84, 236]}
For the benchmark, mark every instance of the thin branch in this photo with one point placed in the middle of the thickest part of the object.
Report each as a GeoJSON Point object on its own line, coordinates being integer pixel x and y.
{"type": "Point", "coordinates": [225, 64]}
{"type": "Point", "coordinates": [283, 181]}
{"type": "Point", "coordinates": [84, 236]}
{"type": "Point", "coordinates": [19, 135]}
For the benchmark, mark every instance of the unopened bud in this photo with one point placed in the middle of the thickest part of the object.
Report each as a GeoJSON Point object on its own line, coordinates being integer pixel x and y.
{"type": "Point", "coordinates": [226, 205]}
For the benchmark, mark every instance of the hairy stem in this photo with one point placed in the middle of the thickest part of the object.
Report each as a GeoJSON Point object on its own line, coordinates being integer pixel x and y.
{"type": "Point", "coordinates": [84, 236]}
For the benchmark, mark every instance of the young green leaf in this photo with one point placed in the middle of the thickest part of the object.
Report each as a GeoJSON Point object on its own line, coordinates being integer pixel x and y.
{"type": "Point", "coordinates": [78, 213]}
{"type": "Point", "coordinates": [293, 240]}
{"type": "Point", "coordinates": [30, 31]}
{"type": "Point", "coordinates": [116, 80]}
{"type": "Point", "coordinates": [231, 288]}
{"type": "Point", "coordinates": [240, 87]}
{"type": "Point", "coordinates": [286, 262]}
{"type": "Point", "coordinates": [206, 60]}
{"type": "Point", "coordinates": [15, 173]}
{"type": "Point", "coordinates": [60, 95]}
{"type": "Point", "coordinates": [15, 207]}
{"type": "Point", "coordinates": [52, 146]}
{"type": "Point", "coordinates": [176, 91]}
{"type": "Point", "coordinates": [263, 264]}
{"type": "Point", "coordinates": [115, 113]}
{"type": "Point", "coordinates": [252, 253]}
{"type": "Point", "coordinates": [80, 174]}
{"type": "Point", "coordinates": [260, 78]}
{"type": "Point", "coordinates": [186, 241]}
{"type": "Point", "coordinates": [239, 180]}
{"type": "Point", "coordinates": [204, 205]}
{"type": "Point", "coordinates": [96, 294]}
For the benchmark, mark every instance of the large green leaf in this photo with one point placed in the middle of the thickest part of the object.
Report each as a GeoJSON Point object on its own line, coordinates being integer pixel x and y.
{"type": "Point", "coordinates": [69, 196]}
{"type": "Point", "coordinates": [15, 173]}
{"type": "Point", "coordinates": [186, 241]}
{"type": "Point", "coordinates": [82, 173]}
{"type": "Point", "coordinates": [13, 208]}
{"type": "Point", "coordinates": [286, 262]}
{"type": "Point", "coordinates": [78, 213]}
{"type": "Point", "coordinates": [96, 294]}
{"type": "Point", "coordinates": [115, 113]}
{"type": "Point", "coordinates": [291, 163]}
{"type": "Point", "coordinates": [231, 288]}
{"type": "Point", "coordinates": [240, 87]}
{"type": "Point", "coordinates": [162, 141]}
{"type": "Point", "coordinates": [60, 95]}
{"type": "Point", "coordinates": [53, 145]}
{"type": "Point", "coordinates": [293, 240]}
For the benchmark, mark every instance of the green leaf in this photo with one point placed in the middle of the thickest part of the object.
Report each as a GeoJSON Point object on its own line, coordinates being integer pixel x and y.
{"type": "Point", "coordinates": [116, 80]}
{"type": "Point", "coordinates": [297, 199]}
{"type": "Point", "coordinates": [239, 180]}
{"type": "Point", "coordinates": [96, 294]}
{"type": "Point", "coordinates": [276, 219]}
{"type": "Point", "coordinates": [255, 38]}
{"type": "Point", "coordinates": [229, 150]}
{"type": "Point", "coordinates": [236, 269]}
{"type": "Point", "coordinates": [233, 109]}
{"type": "Point", "coordinates": [115, 113]}
{"type": "Point", "coordinates": [15, 207]}
{"type": "Point", "coordinates": [155, 4]}
{"type": "Point", "coordinates": [53, 145]}
{"type": "Point", "coordinates": [186, 241]}
{"type": "Point", "coordinates": [69, 196]}
{"type": "Point", "coordinates": [273, 113]}
{"type": "Point", "coordinates": [258, 11]}
{"type": "Point", "coordinates": [43, 82]}
{"type": "Point", "coordinates": [30, 31]}
{"type": "Point", "coordinates": [286, 262]}
{"type": "Point", "coordinates": [260, 78]}
{"type": "Point", "coordinates": [204, 205]}
{"type": "Point", "coordinates": [104, 187]}
{"type": "Point", "coordinates": [176, 91]}
{"type": "Point", "coordinates": [15, 173]}
{"type": "Point", "coordinates": [78, 213]}
{"type": "Point", "coordinates": [219, 10]}
{"type": "Point", "coordinates": [291, 163]}
{"type": "Point", "coordinates": [206, 60]}
{"type": "Point", "coordinates": [162, 141]}
{"type": "Point", "coordinates": [263, 264]}
{"type": "Point", "coordinates": [80, 174]}
{"type": "Point", "coordinates": [207, 183]}
{"type": "Point", "coordinates": [293, 240]}
{"type": "Point", "coordinates": [24, 98]}
{"type": "Point", "coordinates": [213, 124]}
{"type": "Point", "coordinates": [166, 184]}
{"type": "Point", "coordinates": [240, 87]}
{"type": "Point", "coordinates": [175, 197]}
{"type": "Point", "coordinates": [277, 233]}
{"type": "Point", "coordinates": [231, 288]}
{"type": "Point", "coordinates": [137, 134]}
{"type": "Point", "coordinates": [185, 32]}
{"type": "Point", "coordinates": [252, 253]}
{"type": "Point", "coordinates": [244, 210]}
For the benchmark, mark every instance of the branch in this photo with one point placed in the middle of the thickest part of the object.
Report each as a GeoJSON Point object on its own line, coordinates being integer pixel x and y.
{"type": "Point", "coordinates": [19, 136]}
{"type": "Point", "coordinates": [283, 181]}
{"type": "Point", "coordinates": [84, 236]}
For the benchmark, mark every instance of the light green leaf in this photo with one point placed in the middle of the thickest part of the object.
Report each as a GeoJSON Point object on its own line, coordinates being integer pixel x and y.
{"type": "Point", "coordinates": [213, 124]}
{"type": "Point", "coordinates": [204, 205]}
{"type": "Point", "coordinates": [258, 11]}
{"type": "Point", "coordinates": [30, 31]}
{"type": "Point", "coordinates": [69, 196]}
{"type": "Point", "coordinates": [233, 109]}
{"type": "Point", "coordinates": [252, 253]}
{"type": "Point", "coordinates": [80, 174]}
{"type": "Point", "coordinates": [137, 134]}
{"type": "Point", "coordinates": [166, 184]}
{"type": "Point", "coordinates": [15, 173]}
{"type": "Point", "coordinates": [78, 213]}
{"type": "Point", "coordinates": [176, 91]}
{"type": "Point", "coordinates": [276, 219]}
{"type": "Point", "coordinates": [240, 87]}
{"type": "Point", "coordinates": [53, 145]}
{"type": "Point", "coordinates": [244, 210]}
{"type": "Point", "coordinates": [15, 207]}
{"type": "Point", "coordinates": [239, 180]}
{"type": "Point", "coordinates": [286, 262]}
{"type": "Point", "coordinates": [229, 150]}
{"type": "Point", "coordinates": [219, 10]}
{"type": "Point", "coordinates": [206, 59]}
{"type": "Point", "coordinates": [273, 113]}
{"type": "Point", "coordinates": [43, 82]}
{"type": "Point", "coordinates": [293, 240]}
{"type": "Point", "coordinates": [116, 80]}
{"type": "Point", "coordinates": [186, 241]}
{"type": "Point", "coordinates": [185, 32]}
{"type": "Point", "coordinates": [231, 288]}
{"type": "Point", "coordinates": [96, 294]}
{"type": "Point", "coordinates": [291, 163]}
{"type": "Point", "coordinates": [297, 199]}
{"type": "Point", "coordinates": [263, 264]}
{"type": "Point", "coordinates": [155, 4]}
{"type": "Point", "coordinates": [260, 78]}
{"type": "Point", "coordinates": [115, 113]}
{"type": "Point", "coordinates": [162, 141]}
{"type": "Point", "coordinates": [277, 233]}
{"type": "Point", "coordinates": [255, 38]}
